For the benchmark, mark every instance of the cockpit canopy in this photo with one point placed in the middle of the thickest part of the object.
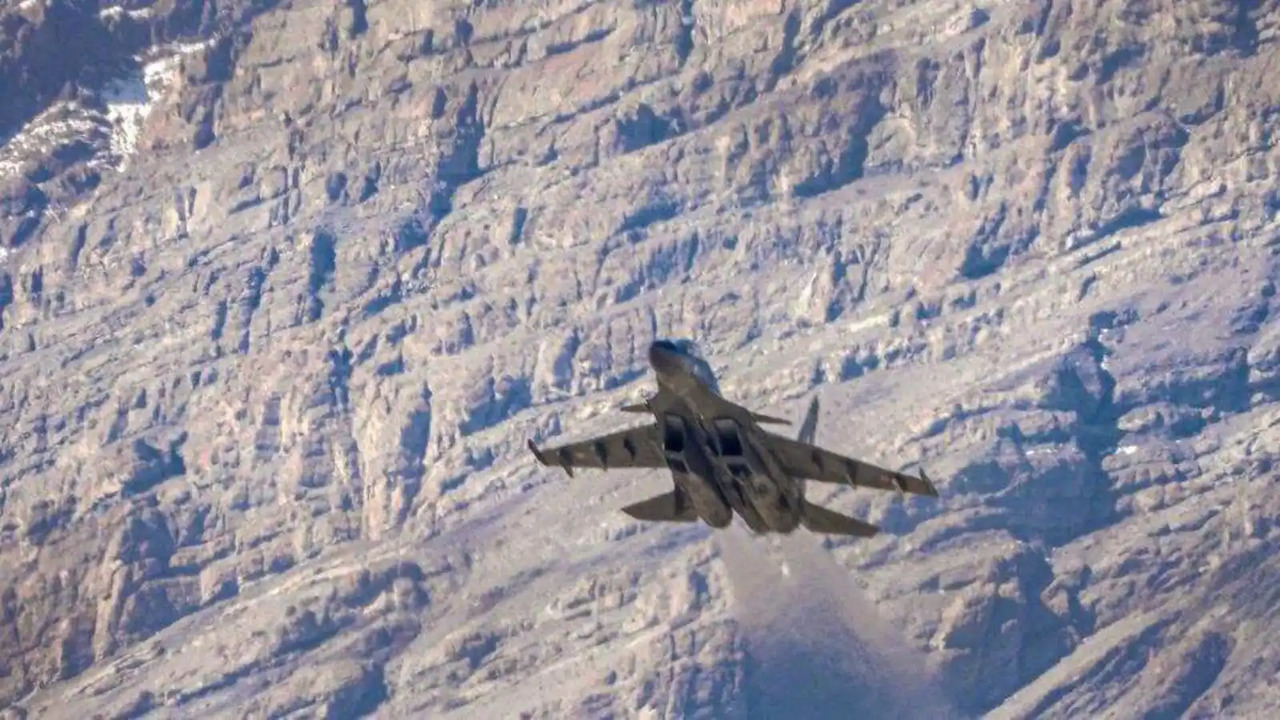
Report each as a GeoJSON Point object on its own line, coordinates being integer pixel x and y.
{"type": "Point", "coordinates": [697, 363]}
{"type": "Point", "coordinates": [682, 346]}
{"type": "Point", "coordinates": [689, 347]}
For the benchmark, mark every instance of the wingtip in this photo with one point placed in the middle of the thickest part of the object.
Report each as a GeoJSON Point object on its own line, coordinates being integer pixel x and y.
{"type": "Point", "coordinates": [536, 452]}
{"type": "Point", "coordinates": [933, 489]}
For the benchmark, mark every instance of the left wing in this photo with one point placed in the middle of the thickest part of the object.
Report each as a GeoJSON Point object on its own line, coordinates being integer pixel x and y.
{"type": "Point", "coordinates": [636, 447]}
{"type": "Point", "coordinates": [811, 462]}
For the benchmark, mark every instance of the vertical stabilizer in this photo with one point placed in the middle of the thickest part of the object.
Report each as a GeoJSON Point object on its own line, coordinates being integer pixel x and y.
{"type": "Point", "coordinates": [809, 428]}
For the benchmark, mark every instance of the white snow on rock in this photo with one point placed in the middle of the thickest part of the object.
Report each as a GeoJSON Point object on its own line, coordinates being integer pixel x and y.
{"type": "Point", "coordinates": [129, 101]}
{"type": "Point", "coordinates": [116, 11]}
{"type": "Point", "coordinates": [128, 106]}
{"type": "Point", "coordinates": [59, 125]}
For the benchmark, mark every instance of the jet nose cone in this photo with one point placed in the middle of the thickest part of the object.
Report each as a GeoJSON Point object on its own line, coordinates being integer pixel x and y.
{"type": "Point", "coordinates": [664, 356]}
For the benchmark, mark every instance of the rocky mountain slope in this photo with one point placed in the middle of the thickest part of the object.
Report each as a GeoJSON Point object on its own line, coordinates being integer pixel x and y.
{"type": "Point", "coordinates": [284, 287]}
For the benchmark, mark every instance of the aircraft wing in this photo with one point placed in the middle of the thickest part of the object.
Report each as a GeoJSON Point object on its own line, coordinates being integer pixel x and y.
{"type": "Point", "coordinates": [803, 460]}
{"type": "Point", "coordinates": [637, 447]}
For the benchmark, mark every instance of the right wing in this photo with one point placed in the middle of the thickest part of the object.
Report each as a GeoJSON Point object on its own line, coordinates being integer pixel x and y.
{"type": "Point", "coordinates": [804, 460]}
{"type": "Point", "coordinates": [637, 447]}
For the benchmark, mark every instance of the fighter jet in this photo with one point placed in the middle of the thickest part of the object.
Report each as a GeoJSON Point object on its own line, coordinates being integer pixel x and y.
{"type": "Point", "coordinates": [722, 461]}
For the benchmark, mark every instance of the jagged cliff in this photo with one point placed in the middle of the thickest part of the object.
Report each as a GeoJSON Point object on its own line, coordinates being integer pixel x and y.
{"type": "Point", "coordinates": [285, 286]}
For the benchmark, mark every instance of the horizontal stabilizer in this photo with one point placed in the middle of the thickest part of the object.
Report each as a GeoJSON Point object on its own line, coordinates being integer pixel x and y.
{"type": "Point", "coordinates": [667, 507]}
{"type": "Point", "coordinates": [821, 520]}
{"type": "Point", "coordinates": [642, 407]}
{"type": "Point", "coordinates": [768, 419]}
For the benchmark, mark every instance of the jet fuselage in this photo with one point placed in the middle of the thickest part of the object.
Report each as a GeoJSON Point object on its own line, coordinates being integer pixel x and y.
{"type": "Point", "coordinates": [711, 449]}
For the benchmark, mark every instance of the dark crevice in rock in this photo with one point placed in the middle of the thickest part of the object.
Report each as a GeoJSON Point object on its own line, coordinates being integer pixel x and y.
{"type": "Point", "coordinates": [1053, 504]}
{"type": "Point", "coordinates": [410, 235]}
{"type": "Point", "coordinates": [152, 467]}
{"type": "Point", "coordinates": [641, 128]}
{"type": "Point", "coordinates": [502, 399]}
{"type": "Point", "coordinates": [416, 435]}
{"type": "Point", "coordinates": [460, 163]}
{"type": "Point", "coordinates": [25, 230]}
{"type": "Point", "coordinates": [684, 36]}
{"type": "Point", "coordinates": [1244, 36]}
{"type": "Point", "coordinates": [369, 185]}
{"type": "Point", "coordinates": [339, 376]}
{"type": "Point", "coordinates": [592, 37]}
{"type": "Point", "coordinates": [1118, 60]}
{"type": "Point", "coordinates": [1133, 217]}
{"type": "Point", "coordinates": [655, 211]}
{"type": "Point", "coordinates": [1126, 659]}
{"type": "Point", "coordinates": [362, 698]}
{"type": "Point", "coordinates": [984, 255]}
{"type": "Point", "coordinates": [518, 220]}
{"type": "Point", "coordinates": [322, 261]}
{"type": "Point", "coordinates": [1064, 133]}
{"type": "Point", "coordinates": [1047, 638]}
{"type": "Point", "coordinates": [384, 299]}
{"type": "Point", "coordinates": [77, 246]}
{"type": "Point", "coordinates": [829, 12]}
{"type": "Point", "coordinates": [359, 21]}
{"type": "Point", "coordinates": [249, 305]}
{"type": "Point", "coordinates": [6, 295]}
{"type": "Point", "coordinates": [989, 249]}
{"type": "Point", "coordinates": [785, 59]}
{"type": "Point", "coordinates": [335, 186]}
{"type": "Point", "coordinates": [45, 517]}
{"type": "Point", "coordinates": [850, 164]}
{"type": "Point", "coordinates": [219, 321]}
{"type": "Point", "coordinates": [307, 630]}
{"type": "Point", "coordinates": [1082, 386]}
{"type": "Point", "coordinates": [1197, 673]}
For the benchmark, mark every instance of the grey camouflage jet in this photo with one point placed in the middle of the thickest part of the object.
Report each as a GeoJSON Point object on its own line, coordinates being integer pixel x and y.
{"type": "Point", "coordinates": [721, 461]}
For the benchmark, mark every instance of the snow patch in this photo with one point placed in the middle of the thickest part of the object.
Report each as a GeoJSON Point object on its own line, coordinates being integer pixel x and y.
{"type": "Point", "coordinates": [128, 106]}
{"type": "Point", "coordinates": [131, 99]}
{"type": "Point", "coordinates": [116, 11]}
{"type": "Point", "coordinates": [191, 47]}
{"type": "Point", "coordinates": [58, 126]}
{"type": "Point", "coordinates": [57, 123]}
{"type": "Point", "coordinates": [4, 254]}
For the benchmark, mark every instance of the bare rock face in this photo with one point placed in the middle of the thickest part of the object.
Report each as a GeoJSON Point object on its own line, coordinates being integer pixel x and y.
{"type": "Point", "coordinates": [284, 288]}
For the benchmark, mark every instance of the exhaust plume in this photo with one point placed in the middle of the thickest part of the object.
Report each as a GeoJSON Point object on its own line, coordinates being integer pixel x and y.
{"type": "Point", "coordinates": [816, 646]}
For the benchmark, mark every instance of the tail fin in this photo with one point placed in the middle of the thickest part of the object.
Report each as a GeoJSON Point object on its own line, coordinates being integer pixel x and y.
{"type": "Point", "coordinates": [809, 428]}
{"type": "Point", "coordinates": [815, 517]}
{"type": "Point", "coordinates": [821, 520]}
{"type": "Point", "coordinates": [667, 507]}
